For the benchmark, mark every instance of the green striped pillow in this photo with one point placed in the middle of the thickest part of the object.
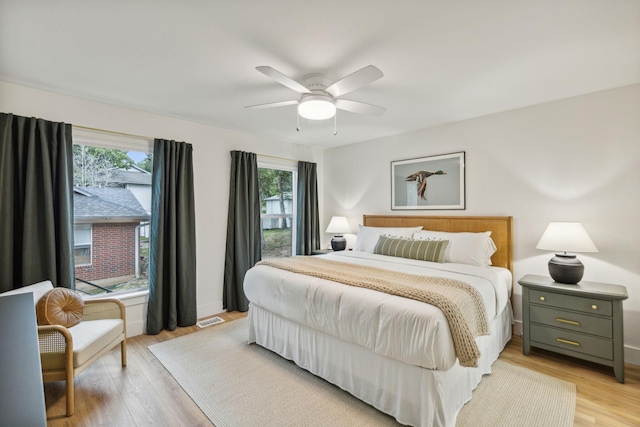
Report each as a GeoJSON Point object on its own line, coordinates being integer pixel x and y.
{"type": "Point", "coordinates": [423, 250]}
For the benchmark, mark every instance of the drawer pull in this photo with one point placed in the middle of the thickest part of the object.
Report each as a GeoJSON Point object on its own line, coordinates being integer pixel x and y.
{"type": "Point", "coordinates": [577, 344]}
{"type": "Point", "coordinates": [542, 298]}
{"type": "Point", "coordinates": [595, 307]}
{"type": "Point", "coordinates": [571, 322]}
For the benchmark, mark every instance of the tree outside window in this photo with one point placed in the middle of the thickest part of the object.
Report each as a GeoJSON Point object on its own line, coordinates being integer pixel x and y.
{"type": "Point", "coordinates": [277, 218]}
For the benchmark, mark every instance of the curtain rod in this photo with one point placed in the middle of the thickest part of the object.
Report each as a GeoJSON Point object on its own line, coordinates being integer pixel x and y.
{"type": "Point", "coordinates": [151, 138]}
{"type": "Point", "coordinates": [113, 132]}
{"type": "Point", "coordinates": [276, 157]}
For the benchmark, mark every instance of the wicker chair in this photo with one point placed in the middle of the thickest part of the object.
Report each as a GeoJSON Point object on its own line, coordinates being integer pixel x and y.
{"type": "Point", "coordinates": [65, 352]}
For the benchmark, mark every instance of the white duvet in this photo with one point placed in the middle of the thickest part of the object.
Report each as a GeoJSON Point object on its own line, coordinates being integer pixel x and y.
{"type": "Point", "coordinates": [404, 329]}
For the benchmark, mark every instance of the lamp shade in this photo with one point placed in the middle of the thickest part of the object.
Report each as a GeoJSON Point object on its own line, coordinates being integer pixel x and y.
{"type": "Point", "coordinates": [338, 226]}
{"type": "Point", "coordinates": [566, 237]}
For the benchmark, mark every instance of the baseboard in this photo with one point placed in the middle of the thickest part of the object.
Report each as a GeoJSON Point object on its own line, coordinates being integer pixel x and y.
{"type": "Point", "coordinates": [632, 355]}
{"type": "Point", "coordinates": [206, 310]}
{"type": "Point", "coordinates": [137, 327]}
{"type": "Point", "coordinates": [137, 313]}
{"type": "Point", "coordinates": [517, 327]}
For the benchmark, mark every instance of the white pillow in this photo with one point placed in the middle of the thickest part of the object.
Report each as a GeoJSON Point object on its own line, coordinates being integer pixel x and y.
{"type": "Point", "coordinates": [464, 248]}
{"type": "Point", "coordinates": [368, 236]}
{"type": "Point", "coordinates": [37, 289]}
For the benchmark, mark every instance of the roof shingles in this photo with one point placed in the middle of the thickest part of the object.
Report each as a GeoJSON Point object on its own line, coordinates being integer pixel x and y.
{"type": "Point", "coordinates": [91, 203]}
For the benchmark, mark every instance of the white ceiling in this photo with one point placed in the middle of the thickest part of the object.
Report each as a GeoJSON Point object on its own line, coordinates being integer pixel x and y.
{"type": "Point", "coordinates": [443, 61]}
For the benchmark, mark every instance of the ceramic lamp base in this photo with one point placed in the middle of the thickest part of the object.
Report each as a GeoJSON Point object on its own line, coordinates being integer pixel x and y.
{"type": "Point", "coordinates": [565, 268]}
{"type": "Point", "coordinates": [338, 243]}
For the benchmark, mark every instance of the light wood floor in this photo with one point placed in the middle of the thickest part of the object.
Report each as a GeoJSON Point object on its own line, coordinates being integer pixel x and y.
{"type": "Point", "coordinates": [144, 393]}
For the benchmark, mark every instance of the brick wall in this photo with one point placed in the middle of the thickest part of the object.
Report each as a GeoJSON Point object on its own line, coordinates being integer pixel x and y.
{"type": "Point", "coordinates": [112, 252]}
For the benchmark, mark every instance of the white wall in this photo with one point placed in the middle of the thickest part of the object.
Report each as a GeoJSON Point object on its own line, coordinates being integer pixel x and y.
{"type": "Point", "coordinates": [576, 159]}
{"type": "Point", "coordinates": [212, 161]}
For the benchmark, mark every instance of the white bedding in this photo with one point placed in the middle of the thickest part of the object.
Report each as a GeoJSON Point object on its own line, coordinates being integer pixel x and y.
{"type": "Point", "coordinates": [402, 329]}
{"type": "Point", "coordinates": [412, 395]}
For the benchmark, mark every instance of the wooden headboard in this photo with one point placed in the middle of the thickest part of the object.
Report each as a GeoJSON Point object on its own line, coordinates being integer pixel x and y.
{"type": "Point", "coordinates": [500, 227]}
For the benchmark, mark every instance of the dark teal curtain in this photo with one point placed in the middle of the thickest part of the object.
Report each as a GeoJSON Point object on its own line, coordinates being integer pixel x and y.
{"type": "Point", "coordinates": [243, 228]}
{"type": "Point", "coordinates": [36, 202]}
{"type": "Point", "coordinates": [308, 222]}
{"type": "Point", "coordinates": [172, 257]}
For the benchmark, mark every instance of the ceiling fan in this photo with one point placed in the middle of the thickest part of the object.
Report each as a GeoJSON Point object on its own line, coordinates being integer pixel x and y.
{"type": "Point", "coordinates": [319, 98]}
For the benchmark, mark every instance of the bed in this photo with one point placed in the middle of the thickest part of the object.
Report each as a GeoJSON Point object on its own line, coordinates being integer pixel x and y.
{"type": "Point", "coordinates": [394, 353]}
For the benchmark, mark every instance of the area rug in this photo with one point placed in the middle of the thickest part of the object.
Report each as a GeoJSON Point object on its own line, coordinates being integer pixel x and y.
{"type": "Point", "coordinates": [236, 384]}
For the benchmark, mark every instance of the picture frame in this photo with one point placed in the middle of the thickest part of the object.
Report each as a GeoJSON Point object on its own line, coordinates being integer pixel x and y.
{"type": "Point", "coordinates": [432, 182]}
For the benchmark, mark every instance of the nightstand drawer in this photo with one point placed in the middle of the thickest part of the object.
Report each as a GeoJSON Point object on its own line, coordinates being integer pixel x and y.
{"type": "Point", "coordinates": [580, 343]}
{"type": "Point", "coordinates": [577, 322]}
{"type": "Point", "coordinates": [587, 305]}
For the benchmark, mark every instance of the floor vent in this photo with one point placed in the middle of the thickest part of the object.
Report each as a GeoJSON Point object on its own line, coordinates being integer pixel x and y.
{"type": "Point", "coordinates": [208, 322]}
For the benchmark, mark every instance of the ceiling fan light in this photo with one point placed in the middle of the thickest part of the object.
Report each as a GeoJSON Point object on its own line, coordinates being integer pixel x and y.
{"type": "Point", "coordinates": [317, 107]}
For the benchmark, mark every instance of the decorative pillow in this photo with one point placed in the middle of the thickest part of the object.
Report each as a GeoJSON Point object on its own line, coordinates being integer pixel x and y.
{"type": "Point", "coordinates": [368, 236]}
{"type": "Point", "coordinates": [463, 248]}
{"type": "Point", "coordinates": [423, 250]}
{"type": "Point", "coordinates": [60, 306]}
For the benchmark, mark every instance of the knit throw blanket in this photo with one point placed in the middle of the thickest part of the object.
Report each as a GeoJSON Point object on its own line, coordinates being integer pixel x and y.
{"type": "Point", "coordinates": [461, 303]}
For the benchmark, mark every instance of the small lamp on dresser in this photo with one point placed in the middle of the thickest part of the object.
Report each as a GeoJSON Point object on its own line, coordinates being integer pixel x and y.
{"type": "Point", "coordinates": [566, 237]}
{"type": "Point", "coordinates": [338, 226]}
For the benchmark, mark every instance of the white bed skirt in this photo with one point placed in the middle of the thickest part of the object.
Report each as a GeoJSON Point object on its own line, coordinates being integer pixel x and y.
{"type": "Point", "coordinates": [412, 395]}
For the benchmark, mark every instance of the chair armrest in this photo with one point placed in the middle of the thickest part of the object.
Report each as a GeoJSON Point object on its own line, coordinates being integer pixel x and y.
{"type": "Point", "coordinates": [107, 308]}
{"type": "Point", "coordinates": [56, 347]}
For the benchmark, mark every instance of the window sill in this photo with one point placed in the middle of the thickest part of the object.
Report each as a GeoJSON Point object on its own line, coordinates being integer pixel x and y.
{"type": "Point", "coordinates": [128, 298]}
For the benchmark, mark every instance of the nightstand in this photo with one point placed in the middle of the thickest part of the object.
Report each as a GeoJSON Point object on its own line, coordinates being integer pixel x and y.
{"type": "Point", "coordinates": [583, 320]}
{"type": "Point", "coordinates": [321, 251]}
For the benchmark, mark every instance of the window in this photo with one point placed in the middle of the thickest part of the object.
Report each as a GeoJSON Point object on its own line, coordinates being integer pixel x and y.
{"type": "Point", "coordinates": [82, 244]}
{"type": "Point", "coordinates": [112, 210]}
{"type": "Point", "coordinates": [277, 197]}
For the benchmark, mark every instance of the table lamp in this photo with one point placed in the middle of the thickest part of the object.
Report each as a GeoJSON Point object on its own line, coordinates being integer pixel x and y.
{"type": "Point", "coordinates": [338, 226]}
{"type": "Point", "coordinates": [566, 237]}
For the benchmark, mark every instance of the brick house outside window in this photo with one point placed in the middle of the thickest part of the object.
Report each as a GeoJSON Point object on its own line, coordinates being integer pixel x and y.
{"type": "Point", "coordinates": [107, 235]}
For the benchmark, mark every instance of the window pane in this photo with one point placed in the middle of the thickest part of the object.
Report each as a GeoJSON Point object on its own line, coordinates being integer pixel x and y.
{"type": "Point", "coordinates": [277, 219]}
{"type": "Point", "coordinates": [82, 234]}
{"type": "Point", "coordinates": [112, 204]}
{"type": "Point", "coordinates": [82, 255]}
{"type": "Point", "coordinates": [277, 243]}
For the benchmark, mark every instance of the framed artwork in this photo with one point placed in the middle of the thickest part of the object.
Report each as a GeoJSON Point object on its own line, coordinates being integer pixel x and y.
{"type": "Point", "coordinates": [434, 182]}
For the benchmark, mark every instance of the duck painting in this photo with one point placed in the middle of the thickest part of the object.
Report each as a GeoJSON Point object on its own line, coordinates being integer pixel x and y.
{"type": "Point", "coordinates": [421, 180]}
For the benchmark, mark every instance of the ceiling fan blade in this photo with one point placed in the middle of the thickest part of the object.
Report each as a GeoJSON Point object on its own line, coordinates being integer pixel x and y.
{"type": "Point", "coordinates": [272, 104]}
{"type": "Point", "coordinates": [282, 79]}
{"type": "Point", "coordinates": [360, 107]}
{"type": "Point", "coordinates": [355, 81]}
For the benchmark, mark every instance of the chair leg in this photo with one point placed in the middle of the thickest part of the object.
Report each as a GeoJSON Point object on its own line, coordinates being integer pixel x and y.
{"type": "Point", "coordinates": [69, 373]}
{"type": "Point", "coordinates": [70, 394]}
{"type": "Point", "coordinates": [123, 351]}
